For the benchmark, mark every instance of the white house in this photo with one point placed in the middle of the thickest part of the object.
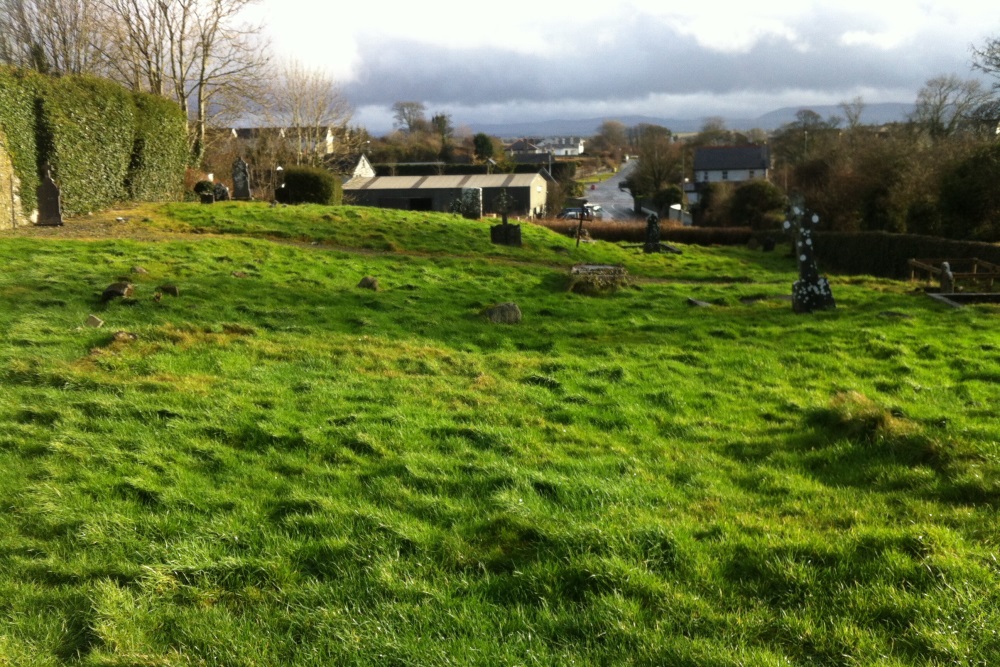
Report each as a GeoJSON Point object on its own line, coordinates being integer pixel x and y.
{"type": "Point", "coordinates": [732, 164]}
{"type": "Point", "coordinates": [564, 146]}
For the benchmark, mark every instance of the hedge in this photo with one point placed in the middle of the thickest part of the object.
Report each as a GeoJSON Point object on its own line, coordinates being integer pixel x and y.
{"type": "Point", "coordinates": [18, 89]}
{"type": "Point", "coordinates": [159, 150]}
{"type": "Point", "coordinates": [311, 185]}
{"type": "Point", "coordinates": [886, 255]}
{"type": "Point", "coordinates": [87, 134]}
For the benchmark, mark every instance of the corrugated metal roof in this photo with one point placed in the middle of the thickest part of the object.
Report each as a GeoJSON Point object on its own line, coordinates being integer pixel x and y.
{"type": "Point", "coordinates": [442, 182]}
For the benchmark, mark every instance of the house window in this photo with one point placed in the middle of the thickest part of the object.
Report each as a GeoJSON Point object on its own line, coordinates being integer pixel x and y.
{"type": "Point", "coordinates": [752, 174]}
{"type": "Point", "coordinates": [705, 177]}
{"type": "Point", "coordinates": [725, 175]}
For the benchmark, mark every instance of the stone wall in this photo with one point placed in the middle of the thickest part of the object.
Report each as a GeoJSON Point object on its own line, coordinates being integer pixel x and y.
{"type": "Point", "coordinates": [10, 200]}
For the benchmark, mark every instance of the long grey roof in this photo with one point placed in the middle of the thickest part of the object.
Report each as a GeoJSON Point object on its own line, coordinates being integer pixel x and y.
{"type": "Point", "coordinates": [714, 158]}
{"type": "Point", "coordinates": [442, 182]}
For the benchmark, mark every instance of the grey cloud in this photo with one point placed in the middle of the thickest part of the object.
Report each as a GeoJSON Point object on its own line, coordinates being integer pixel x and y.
{"type": "Point", "coordinates": [643, 58]}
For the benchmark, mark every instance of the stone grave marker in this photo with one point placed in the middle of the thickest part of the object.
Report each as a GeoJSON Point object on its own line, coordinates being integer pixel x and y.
{"type": "Point", "coordinates": [49, 201]}
{"type": "Point", "coordinates": [241, 180]}
{"type": "Point", "coordinates": [811, 291]}
{"type": "Point", "coordinates": [505, 233]}
{"type": "Point", "coordinates": [221, 192]}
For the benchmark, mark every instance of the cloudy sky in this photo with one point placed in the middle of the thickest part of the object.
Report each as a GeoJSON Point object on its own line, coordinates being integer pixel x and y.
{"type": "Point", "coordinates": [549, 59]}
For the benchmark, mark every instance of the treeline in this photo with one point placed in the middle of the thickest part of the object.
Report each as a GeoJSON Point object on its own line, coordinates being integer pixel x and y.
{"type": "Point", "coordinates": [103, 143]}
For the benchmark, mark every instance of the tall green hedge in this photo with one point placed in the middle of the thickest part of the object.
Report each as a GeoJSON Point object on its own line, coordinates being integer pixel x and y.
{"type": "Point", "coordinates": [159, 151]}
{"type": "Point", "coordinates": [18, 90]}
{"type": "Point", "coordinates": [87, 134]}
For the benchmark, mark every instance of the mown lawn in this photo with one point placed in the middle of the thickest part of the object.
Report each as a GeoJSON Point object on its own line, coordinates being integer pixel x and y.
{"type": "Point", "coordinates": [281, 468]}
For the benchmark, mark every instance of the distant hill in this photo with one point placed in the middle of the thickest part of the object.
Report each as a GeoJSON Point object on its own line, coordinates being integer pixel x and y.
{"type": "Point", "coordinates": [873, 114]}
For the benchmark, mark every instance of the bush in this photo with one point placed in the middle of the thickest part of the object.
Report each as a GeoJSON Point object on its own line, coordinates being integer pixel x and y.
{"type": "Point", "coordinates": [204, 188]}
{"type": "Point", "coordinates": [758, 204]}
{"type": "Point", "coordinates": [159, 150]}
{"type": "Point", "coordinates": [970, 201]}
{"type": "Point", "coordinates": [309, 185]}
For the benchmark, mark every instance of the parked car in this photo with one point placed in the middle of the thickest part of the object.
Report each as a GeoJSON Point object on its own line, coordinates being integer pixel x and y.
{"type": "Point", "coordinates": [589, 212]}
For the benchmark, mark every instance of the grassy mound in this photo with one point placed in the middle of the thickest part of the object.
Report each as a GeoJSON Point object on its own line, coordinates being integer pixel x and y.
{"type": "Point", "coordinates": [277, 467]}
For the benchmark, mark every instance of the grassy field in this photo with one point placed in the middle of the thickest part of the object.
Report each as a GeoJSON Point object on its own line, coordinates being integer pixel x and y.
{"type": "Point", "coordinates": [277, 467]}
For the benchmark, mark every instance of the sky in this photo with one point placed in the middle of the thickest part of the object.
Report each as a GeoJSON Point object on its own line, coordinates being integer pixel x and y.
{"type": "Point", "coordinates": [524, 60]}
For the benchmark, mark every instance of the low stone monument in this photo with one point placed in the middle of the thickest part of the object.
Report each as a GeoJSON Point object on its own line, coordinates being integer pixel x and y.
{"type": "Point", "coordinates": [241, 180]}
{"type": "Point", "coordinates": [49, 201]}
{"type": "Point", "coordinates": [811, 291]}
{"type": "Point", "coordinates": [505, 233]}
{"type": "Point", "coordinates": [220, 192]}
{"type": "Point", "coordinates": [947, 279]}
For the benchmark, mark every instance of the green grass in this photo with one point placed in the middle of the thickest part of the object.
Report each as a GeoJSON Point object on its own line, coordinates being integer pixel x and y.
{"type": "Point", "coordinates": [285, 469]}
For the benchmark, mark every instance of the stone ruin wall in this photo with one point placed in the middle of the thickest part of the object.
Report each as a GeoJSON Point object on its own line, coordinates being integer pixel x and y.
{"type": "Point", "coordinates": [11, 214]}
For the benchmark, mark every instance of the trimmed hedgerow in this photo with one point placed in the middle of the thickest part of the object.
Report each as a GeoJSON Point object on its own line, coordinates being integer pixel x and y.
{"type": "Point", "coordinates": [310, 185]}
{"type": "Point", "coordinates": [87, 134]}
{"type": "Point", "coordinates": [18, 90]}
{"type": "Point", "coordinates": [159, 151]}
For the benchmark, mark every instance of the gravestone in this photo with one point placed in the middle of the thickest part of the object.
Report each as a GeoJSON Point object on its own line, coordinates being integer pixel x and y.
{"type": "Point", "coordinates": [947, 279]}
{"type": "Point", "coordinates": [241, 180]}
{"type": "Point", "coordinates": [505, 234]}
{"type": "Point", "coordinates": [652, 234]}
{"type": "Point", "coordinates": [811, 291]}
{"type": "Point", "coordinates": [221, 192]}
{"type": "Point", "coordinates": [49, 201]}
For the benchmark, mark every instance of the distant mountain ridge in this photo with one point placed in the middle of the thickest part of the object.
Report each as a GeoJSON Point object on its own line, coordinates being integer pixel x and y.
{"type": "Point", "coordinates": [872, 114]}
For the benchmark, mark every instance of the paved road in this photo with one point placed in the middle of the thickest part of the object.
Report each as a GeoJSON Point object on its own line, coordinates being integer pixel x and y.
{"type": "Point", "coordinates": [617, 204]}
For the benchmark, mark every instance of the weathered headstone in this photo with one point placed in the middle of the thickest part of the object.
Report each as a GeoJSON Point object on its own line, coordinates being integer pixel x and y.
{"type": "Point", "coordinates": [652, 234]}
{"type": "Point", "coordinates": [505, 234]}
{"type": "Point", "coordinates": [221, 192]}
{"type": "Point", "coordinates": [241, 180]}
{"type": "Point", "coordinates": [811, 291]}
{"type": "Point", "coordinates": [49, 201]}
{"type": "Point", "coordinates": [947, 279]}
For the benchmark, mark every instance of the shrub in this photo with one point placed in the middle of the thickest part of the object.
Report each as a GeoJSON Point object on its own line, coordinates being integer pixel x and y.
{"type": "Point", "coordinates": [309, 185]}
{"type": "Point", "coordinates": [159, 150]}
{"type": "Point", "coordinates": [758, 204]}
{"type": "Point", "coordinates": [203, 187]}
{"type": "Point", "coordinates": [970, 202]}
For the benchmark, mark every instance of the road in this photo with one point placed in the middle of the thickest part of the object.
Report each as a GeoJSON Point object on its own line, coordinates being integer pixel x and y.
{"type": "Point", "coordinates": [617, 205]}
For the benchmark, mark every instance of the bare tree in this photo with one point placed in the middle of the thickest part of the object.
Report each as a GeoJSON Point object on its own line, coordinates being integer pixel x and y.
{"type": "Point", "coordinates": [853, 111]}
{"type": "Point", "coordinates": [198, 52]}
{"type": "Point", "coordinates": [62, 36]}
{"type": "Point", "coordinates": [409, 116]}
{"type": "Point", "coordinates": [945, 105]}
{"type": "Point", "coordinates": [307, 103]}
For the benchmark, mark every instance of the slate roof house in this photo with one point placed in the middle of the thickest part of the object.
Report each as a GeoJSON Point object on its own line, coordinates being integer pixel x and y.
{"type": "Point", "coordinates": [735, 164]}
{"type": "Point", "coordinates": [436, 193]}
{"type": "Point", "coordinates": [727, 164]}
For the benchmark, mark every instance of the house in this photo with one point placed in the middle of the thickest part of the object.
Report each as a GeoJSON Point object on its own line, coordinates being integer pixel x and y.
{"type": "Point", "coordinates": [301, 140]}
{"type": "Point", "coordinates": [733, 164]}
{"type": "Point", "coordinates": [563, 146]}
{"type": "Point", "coordinates": [436, 193]}
{"type": "Point", "coordinates": [727, 164]}
{"type": "Point", "coordinates": [525, 147]}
